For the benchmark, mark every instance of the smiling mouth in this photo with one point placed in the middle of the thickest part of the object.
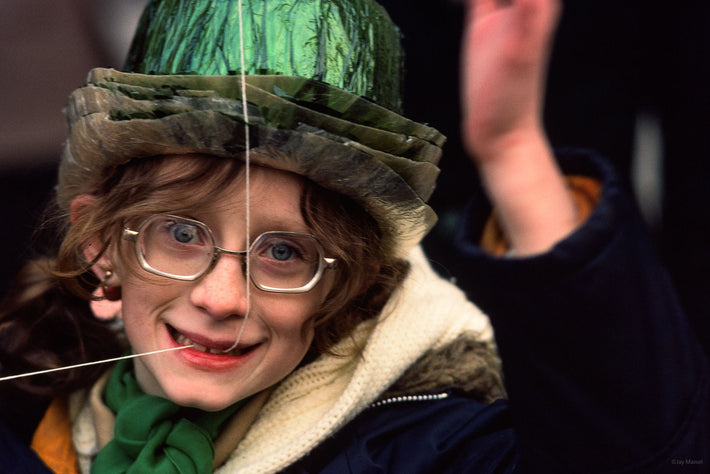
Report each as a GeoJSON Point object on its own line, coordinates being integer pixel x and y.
{"type": "Point", "coordinates": [186, 341]}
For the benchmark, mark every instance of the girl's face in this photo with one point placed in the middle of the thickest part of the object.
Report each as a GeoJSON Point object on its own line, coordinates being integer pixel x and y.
{"type": "Point", "coordinates": [161, 313]}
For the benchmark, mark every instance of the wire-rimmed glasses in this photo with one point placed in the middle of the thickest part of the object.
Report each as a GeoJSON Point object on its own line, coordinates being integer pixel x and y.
{"type": "Point", "coordinates": [184, 249]}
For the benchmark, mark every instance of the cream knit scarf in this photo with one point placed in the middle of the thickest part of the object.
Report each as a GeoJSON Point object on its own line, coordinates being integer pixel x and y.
{"type": "Point", "coordinates": [315, 401]}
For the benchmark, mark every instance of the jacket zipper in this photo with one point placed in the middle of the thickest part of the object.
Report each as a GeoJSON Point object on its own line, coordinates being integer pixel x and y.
{"type": "Point", "coordinates": [410, 398]}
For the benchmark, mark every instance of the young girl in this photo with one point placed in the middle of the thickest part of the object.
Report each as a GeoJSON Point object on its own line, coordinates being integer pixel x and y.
{"type": "Point", "coordinates": [253, 242]}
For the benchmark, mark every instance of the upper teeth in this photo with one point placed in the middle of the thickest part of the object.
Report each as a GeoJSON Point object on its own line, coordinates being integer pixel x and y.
{"type": "Point", "coordinates": [185, 341]}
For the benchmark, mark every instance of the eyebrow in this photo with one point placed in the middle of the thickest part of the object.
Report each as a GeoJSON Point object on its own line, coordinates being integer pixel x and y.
{"type": "Point", "coordinates": [271, 223]}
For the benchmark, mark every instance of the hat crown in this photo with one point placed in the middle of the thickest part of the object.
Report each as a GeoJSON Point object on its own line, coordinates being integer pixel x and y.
{"type": "Point", "coordinates": [350, 44]}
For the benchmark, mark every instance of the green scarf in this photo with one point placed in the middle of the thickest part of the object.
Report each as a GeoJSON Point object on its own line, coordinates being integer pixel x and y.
{"type": "Point", "coordinates": [153, 434]}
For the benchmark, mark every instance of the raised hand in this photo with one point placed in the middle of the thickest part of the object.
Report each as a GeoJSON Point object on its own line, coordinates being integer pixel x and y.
{"type": "Point", "coordinates": [506, 46]}
{"type": "Point", "coordinates": [504, 64]}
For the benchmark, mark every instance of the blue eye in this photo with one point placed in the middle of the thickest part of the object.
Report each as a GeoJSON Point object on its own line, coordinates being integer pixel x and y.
{"type": "Point", "coordinates": [185, 233]}
{"type": "Point", "coordinates": [281, 252]}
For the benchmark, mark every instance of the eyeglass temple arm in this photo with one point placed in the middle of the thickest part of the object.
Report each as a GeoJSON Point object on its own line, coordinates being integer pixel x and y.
{"type": "Point", "coordinates": [130, 235]}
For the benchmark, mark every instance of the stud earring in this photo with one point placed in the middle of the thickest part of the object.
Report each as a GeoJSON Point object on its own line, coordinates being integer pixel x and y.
{"type": "Point", "coordinates": [106, 303]}
{"type": "Point", "coordinates": [110, 292]}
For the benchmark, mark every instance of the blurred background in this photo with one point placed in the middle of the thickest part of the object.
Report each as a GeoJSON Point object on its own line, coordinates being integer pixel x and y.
{"type": "Point", "coordinates": [628, 79]}
{"type": "Point", "coordinates": [46, 49]}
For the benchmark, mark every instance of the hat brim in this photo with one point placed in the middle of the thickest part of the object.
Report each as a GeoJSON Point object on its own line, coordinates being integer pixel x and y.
{"type": "Point", "coordinates": [340, 141]}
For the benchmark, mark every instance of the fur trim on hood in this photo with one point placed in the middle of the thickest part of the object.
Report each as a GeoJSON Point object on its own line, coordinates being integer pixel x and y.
{"type": "Point", "coordinates": [466, 364]}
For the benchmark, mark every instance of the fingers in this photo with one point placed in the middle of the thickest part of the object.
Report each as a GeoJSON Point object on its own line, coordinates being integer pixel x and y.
{"type": "Point", "coordinates": [524, 27]}
{"type": "Point", "coordinates": [504, 62]}
{"type": "Point", "coordinates": [481, 8]}
{"type": "Point", "coordinates": [528, 10]}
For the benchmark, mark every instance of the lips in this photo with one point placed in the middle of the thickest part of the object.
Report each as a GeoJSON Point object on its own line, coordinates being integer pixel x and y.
{"type": "Point", "coordinates": [209, 347]}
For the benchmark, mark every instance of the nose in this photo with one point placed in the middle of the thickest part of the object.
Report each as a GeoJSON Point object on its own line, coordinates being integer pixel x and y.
{"type": "Point", "coordinates": [222, 292]}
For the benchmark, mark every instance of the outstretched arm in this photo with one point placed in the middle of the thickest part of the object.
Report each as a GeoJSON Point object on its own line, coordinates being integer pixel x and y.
{"type": "Point", "coordinates": [504, 61]}
{"type": "Point", "coordinates": [601, 367]}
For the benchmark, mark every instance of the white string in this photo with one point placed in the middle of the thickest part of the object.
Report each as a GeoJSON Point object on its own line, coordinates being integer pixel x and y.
{"type": "Point", "coordinates": [85, 364]}
{"type": "Point", "coordinates": [247, 179]}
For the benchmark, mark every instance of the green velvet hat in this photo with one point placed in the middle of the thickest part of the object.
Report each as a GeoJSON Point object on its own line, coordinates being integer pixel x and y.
{"type": "Point", "coordinates": [322, 81]}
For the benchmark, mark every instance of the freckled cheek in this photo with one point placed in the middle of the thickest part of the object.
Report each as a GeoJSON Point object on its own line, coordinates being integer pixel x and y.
{"type": "Point", "coordinates": [137, 318]}
{"type": "Point", "coordinates": [293, 321]}
{"type": "Point", "coordinates": [142, 301]}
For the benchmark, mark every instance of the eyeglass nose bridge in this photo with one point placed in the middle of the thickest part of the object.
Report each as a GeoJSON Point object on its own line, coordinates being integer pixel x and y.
{"type": "Point", "coordinates": [219, 251]}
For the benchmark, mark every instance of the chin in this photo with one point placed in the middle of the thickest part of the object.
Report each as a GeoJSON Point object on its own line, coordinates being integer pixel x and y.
{"type": "Point", "coordinates": [201, 395]}
{"type": "Point", "coordinates": [203, 402]}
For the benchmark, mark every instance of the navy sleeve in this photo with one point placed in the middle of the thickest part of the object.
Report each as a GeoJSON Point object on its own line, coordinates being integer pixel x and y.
{"type": "Point", "coordinates": [16, 457]}
{"type": "Point", "coordinates": [602, 369]}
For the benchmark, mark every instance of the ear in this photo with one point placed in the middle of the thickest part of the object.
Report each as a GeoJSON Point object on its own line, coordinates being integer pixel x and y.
{"type": "Point", "coordinates": [102, 306]}
{"type": "Point", "coordinates": [78, 208]}
{"type": "Point", "coordinates": [80, 205]}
